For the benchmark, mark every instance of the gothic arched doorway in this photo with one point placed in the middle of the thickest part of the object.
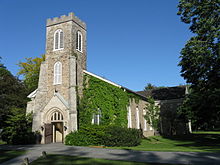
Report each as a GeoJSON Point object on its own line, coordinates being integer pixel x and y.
{"type": "Point", "coordinates": [54, 129]}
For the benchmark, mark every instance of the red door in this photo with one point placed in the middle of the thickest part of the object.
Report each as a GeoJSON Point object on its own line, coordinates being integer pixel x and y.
{"type": "Point", "coordinates": [48, 133]}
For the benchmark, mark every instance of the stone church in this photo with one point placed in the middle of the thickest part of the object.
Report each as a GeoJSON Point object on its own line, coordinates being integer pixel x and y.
{"type": "Point", "coordinates": [54, 102]}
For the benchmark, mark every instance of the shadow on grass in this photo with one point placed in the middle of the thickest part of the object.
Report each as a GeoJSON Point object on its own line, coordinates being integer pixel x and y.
{"type": "Point", "coordinates": [70, 160]}
{"type": "Point", "coordinates": [204, 141]}
{"type": "Point", "coordinates": [6, 155]}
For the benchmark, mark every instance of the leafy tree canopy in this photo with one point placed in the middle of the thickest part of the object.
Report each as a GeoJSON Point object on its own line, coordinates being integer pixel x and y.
{"type": "Point", "coordinates": [1, 65]}
{"type": "Point", "coordinates": [200, 60]}
{"type": "Point", "coordinates": [18, 129]}
{"type": "Point", "coordinates": [12, 93]}
{"type": "Point", "coordinates": [151, 86]}
{"type": "Point", "coordinates": [30, 69]}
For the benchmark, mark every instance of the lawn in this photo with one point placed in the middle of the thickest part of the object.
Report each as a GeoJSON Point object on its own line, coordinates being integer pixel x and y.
{"type": "Point", "coordinates": [8, 154]}
{"type": "Point", "coordinates": [70, 160]}
{"type": "Point", "coordinates": [196, 142]}
{"type": "Point", "coordinates": [2, 142]}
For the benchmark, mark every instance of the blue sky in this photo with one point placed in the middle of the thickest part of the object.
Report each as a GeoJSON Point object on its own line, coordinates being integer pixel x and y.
{"type": "Point", "coordinates": [130, 42]}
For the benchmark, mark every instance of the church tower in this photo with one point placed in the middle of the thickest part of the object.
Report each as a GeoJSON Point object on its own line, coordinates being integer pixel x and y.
{"type": "Point", "coordinates": [54, 103]}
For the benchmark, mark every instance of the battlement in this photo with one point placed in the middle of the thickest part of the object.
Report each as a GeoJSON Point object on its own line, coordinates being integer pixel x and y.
{"type": "Point", "coordinates": [66, 18]}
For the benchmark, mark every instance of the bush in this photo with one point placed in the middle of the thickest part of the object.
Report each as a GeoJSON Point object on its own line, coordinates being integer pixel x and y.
{"type": "Point", "coordinates": [89, 135]}
{"type": "Point", "coordinates": [117, 136]}
{"type": "Point", "coordinates": [104, 135]}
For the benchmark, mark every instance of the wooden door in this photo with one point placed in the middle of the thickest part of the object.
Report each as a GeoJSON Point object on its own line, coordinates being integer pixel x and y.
{"type": "Point", "coordinates": [48, 133]}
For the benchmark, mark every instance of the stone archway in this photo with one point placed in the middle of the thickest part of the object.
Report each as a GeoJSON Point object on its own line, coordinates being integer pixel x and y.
{"type": "Point", "coordinates": [54, 127]}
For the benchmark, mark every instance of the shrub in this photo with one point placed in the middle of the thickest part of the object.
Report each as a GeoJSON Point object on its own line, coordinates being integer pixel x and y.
{"type": "Point", "coordinates": [86, 135]}
{"type": "Point", "coordinates": [104, 135]}
{"type": "Point", "coordinates": [118, 136]}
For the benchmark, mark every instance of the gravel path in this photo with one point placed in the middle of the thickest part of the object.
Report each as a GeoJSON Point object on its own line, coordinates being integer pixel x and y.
{"type": "Point", "coordinates": [187, 158]}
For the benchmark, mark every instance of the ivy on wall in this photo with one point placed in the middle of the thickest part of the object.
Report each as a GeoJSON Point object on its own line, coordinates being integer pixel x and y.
{"type": "Point", "coordinates": [101, 96]}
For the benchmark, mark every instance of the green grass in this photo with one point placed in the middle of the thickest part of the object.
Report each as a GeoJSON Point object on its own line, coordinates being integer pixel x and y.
{"type": "Point", "coordinates": [8, 154]}
{"type": "Point", "coordinates": [2, 142]}
{"type": "Point", "coordinates": [196, 142]}
{"type": "Point", "coordinates": [70, 160]}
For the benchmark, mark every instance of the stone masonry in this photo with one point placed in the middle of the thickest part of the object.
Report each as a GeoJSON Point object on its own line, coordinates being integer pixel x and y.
{"type": "Point", "coordinates": [54, 106]}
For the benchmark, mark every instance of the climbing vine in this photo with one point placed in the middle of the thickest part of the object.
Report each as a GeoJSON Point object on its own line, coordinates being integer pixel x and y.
{"type": "Point", "coordinates": [100, 96]}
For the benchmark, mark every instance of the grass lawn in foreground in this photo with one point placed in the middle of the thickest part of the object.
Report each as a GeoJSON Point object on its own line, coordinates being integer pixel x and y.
{"type": "Point", "coordinates": [196, 142]}
{"type": "Point", "coordinates": [9, 154]}
{"type": "Point", "coordinates": [70, 160]}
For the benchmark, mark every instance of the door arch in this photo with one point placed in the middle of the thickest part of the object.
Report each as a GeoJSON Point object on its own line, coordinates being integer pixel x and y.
{"type": "Point", "coordinates": [54, 129]}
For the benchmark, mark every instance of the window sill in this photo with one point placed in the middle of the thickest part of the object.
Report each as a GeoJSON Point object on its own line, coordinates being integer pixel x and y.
{"type": "Point", "coordinates": [58, 49]}
{"type": "Point", "coordinates": [79, 51]}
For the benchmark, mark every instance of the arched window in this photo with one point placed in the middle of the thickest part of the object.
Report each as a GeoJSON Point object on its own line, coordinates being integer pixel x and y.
{"type": "Point", "coordinates": [58, 40]}
{"type": "Point", "coordinates": [79, 43]}
{"type": "Point", "coordinates": [129, 117]}
{"type": "Point", "coordinates": [57, 73]}
{"type": "Point", "coordinates": [56, 116]}
{"type": "Point", "coordinates": [137, 118]}
{"type": "Point", "coordinates": [145, 121]}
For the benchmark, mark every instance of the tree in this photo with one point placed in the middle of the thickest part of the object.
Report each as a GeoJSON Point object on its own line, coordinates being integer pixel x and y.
{"type": "Point", "coordinates": [152, 115]}
{"type": "Point", "coordinates": [12, 93]}
{"type": "Point", "coordinates": [30, 69]}
{"type": "Point", "coordinates": [149, 87]}
{"type": "Point", "coordinates": [152, 87]}
{"type": "Point", "coordinates": [200, 61]}
{"type": "Point", "coordinates": [1, 65]}
{"type": "Point", "coordinates": [18, 129]}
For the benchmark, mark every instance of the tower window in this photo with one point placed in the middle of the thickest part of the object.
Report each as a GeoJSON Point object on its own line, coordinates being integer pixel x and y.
{"type": "Point", "coordinates": [57, 73]}
{"type": "Point", "coordinates": [79, 42]}
{"type": "Point", "coordinates": [58, 40]}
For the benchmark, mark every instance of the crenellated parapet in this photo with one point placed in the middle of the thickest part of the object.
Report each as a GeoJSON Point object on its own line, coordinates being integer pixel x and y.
{"type": "Point", "coordinates": [66, 18]}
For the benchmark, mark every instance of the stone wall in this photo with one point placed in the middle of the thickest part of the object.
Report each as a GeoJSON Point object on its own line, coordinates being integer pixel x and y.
{"type": "Point", "coordinates": [72, 71]}
{"type": "Point", "coordinates": [141, 105]}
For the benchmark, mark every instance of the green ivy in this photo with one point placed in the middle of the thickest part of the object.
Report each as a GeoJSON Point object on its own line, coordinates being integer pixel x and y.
{"type": "Point", "coordinates": [102, 96]}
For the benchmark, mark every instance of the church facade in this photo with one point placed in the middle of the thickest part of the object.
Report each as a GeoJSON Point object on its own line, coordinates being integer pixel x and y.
{"type": "Point", "coordinates": [54, 103]}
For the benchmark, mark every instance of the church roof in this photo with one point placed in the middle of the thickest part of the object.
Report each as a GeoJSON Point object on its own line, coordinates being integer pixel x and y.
{"type": "Point", "coordinates": [33, 94]}
{"type": "Point", "coordinates": [114, 84]}
{"type": "Point", "coordinates": [101, 78]}
{"type": "Point", "coordinates": [166, 93]}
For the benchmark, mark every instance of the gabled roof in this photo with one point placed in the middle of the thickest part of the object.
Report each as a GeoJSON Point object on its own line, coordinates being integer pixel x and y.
{"type": "Point", "coordinates": [60, 97]}
{"type": "Point", "coordinates": [101, 78]}
{"type": "Point", "coordinates": [114, 84]}
{"type": "Point", "coordinates": [33, 94]}
{"type": "Point", "coordinates": [166, 93]}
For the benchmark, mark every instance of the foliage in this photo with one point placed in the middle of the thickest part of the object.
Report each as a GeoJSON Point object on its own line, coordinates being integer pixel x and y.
{"type": "Point", "coordinates": [118, 136]}
{"type": "Point", "coordinates": [101, 96]}
{"type": "Point", "coordinates": [1, 65]}
{"type": "Point", "coordinates": [18, 130]}
{"type": "Point", "coordinates": [149, 87]}
{"type": "Point", "coordinates": [30, 69]}
{"type": "Point", "coordinates": [12, 93]}
{"type": "Point", "coordinates": [86, 135]}
{"type": "Point", "coordinates": [104, 135]}
{"type": "Point", "coordinates": [200, 61]}
{"type": "Point", "coordinates": [152, 113]}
